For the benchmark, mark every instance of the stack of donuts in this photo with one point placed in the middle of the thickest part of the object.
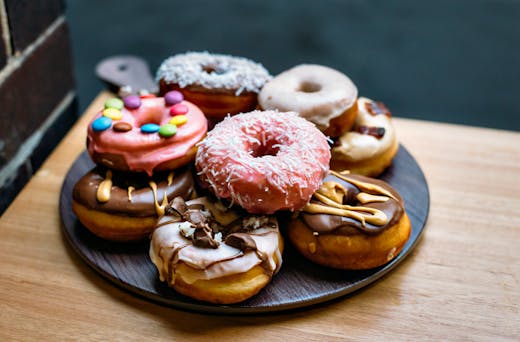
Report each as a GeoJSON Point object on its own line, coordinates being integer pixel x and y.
{"type": "Point", "coordinates": [210, 200]}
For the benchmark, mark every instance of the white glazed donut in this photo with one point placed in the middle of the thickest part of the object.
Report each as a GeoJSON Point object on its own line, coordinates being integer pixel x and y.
{"type": "Point", "coordinates": [319, 94]}
{"type": "Point", "coordinates": [208, 252]}
{"type": "Point", "coordinates": [369, 148]}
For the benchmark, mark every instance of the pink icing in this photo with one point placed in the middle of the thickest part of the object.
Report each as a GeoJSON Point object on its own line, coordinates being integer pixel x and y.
{"type": "Point", "coordinates": [145, 151]}
{"type": "Point", "coordinates": [264, 161]}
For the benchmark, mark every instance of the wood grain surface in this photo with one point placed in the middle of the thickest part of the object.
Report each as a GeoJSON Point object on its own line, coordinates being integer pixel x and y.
{"type": "Point", "coordinates": [462, 282]}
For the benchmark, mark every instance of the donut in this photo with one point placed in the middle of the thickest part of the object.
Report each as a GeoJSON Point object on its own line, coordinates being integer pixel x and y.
{"type": "Point", "coordinates": [208, 252]}
{"type": "Point", "coordinates": [218, 84]}
{"type": "Point", "coordinates": [146, 134]}
{"type": "Point", "coordinates": [371, 145]}
{"type": "Point", "coordinates": [123, 206]}
{"type": "Point", "coordinates": [352, 222]}
{"type": "Point", "coordinates": [264, 161]}
{"type": "Point", "coordinates": [319, 94]}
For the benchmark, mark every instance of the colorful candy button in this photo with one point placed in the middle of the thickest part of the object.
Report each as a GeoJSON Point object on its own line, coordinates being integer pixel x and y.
{"type": "Point", "coordinates": [132, 102]}
{"type": "Point", "coordinates": [167, 130]}
{"type": "Point", "coordinates": [173, 97]}
{"type": "Point", "coordinates": [114, 114]}
{"type": "Point", "coordinates": [122, 126]}
{"type": "Point", "coordinates": [178, 120]}
{"type": "Point", "coordinates": [150, 128]}
{"type": "Point", "coordinates": [114, 103]}
{"type": "Point", "coordinates": [178, 109]}
{"type": "Point", "coordinates": [102, 123]}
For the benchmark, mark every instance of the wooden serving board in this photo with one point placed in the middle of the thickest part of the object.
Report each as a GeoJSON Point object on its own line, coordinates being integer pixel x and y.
{"type": "Point", "coordinates": [299, 283]}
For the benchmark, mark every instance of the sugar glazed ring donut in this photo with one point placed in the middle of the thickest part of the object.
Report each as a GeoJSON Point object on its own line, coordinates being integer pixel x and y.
{"type": "Point", "coordinates": [369, 148]}
{"type": "Point", "coordinates": [218, 84]}
{"type": "Point", "coordinates": [319, 94]}
{"type": "Point", "coordinates": [352, 222]}
{"type": "Point", "coordinates": [122, 206]}
{"type": "Point", "coordinates": [146, 134]}
{"type": "Point", "coordinates": [210, 253]}
{"type": "Point", "coordinates": [264, 161]}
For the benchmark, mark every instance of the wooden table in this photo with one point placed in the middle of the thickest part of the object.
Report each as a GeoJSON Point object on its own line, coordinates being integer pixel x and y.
{"type": "Point", "coordinates": [461, 282]}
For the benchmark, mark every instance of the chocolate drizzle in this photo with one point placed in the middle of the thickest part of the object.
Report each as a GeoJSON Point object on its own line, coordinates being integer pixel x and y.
{"type": "Point", "coordinates": [352, 204]}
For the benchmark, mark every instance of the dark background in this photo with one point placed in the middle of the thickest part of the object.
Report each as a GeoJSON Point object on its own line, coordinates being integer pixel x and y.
{"type": "Point", "coordinates": [447, 60]}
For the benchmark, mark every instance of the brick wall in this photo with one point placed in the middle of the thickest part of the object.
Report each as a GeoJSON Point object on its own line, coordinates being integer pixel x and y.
{"type": "Point", "coordinates": [37, 98]}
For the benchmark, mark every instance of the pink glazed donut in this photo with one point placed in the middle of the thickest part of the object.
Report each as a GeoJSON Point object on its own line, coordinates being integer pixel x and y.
{"type": "Point", "coordinates": [264, 161]}
{"type": "Point", "coordinates": [146, 134]}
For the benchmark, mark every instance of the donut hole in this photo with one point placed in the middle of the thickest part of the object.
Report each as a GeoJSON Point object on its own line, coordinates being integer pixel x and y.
{"type": "Point", "coordinates": [213, 69]}
{"type": "Point", "coordinates": [270, 148]}
{"type": "Point", "coordinates": [309, 87]}
{"type": "Point", "coordinates": [153, 116]}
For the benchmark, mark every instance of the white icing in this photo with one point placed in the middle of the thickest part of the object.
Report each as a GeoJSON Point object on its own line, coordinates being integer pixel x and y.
{"type": "Point", "coordinates": [337, 93]}
{"type": "Point", "coordinates": [168, 247]}
{"type": "Point", "coordinates": [354, 146]}
{"type": "Point", "coordinates": [237, 73]}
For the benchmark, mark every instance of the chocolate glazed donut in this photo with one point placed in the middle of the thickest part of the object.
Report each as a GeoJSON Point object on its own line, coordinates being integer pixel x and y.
{"type": "Point", "coordinates": [123, 206]}
{"type": "Point", "coordinates": [352, 222]}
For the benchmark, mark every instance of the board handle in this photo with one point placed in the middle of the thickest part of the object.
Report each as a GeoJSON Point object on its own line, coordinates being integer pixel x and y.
{"type": "Point", "coordinates": [126, 74]}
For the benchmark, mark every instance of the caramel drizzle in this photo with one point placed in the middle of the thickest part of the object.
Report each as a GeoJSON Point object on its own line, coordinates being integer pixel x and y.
{"type": "Point", "coordinates": [360, 213]}
{"type": "Point", "coordinates": [159, 208]}
{"type": "Point", "coordinates": [170, 178]}
{"type": "Point", "coordinates": [104, 188]}
{"type": "Point", "coordinates": [130, 189]}
{"type": "Point", "coordinates": [331, 194]}
{"type": "Point", "coordinates": [363, 185]}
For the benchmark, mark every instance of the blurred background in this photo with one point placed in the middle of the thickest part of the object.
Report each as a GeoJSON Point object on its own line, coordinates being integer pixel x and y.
{"type": "Point", "coordinates": [454, 61]}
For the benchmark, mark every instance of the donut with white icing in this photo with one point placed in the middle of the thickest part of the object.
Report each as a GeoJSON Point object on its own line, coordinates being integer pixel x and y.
{"type": "Point", "coordinates": [371, 145]}
{"type": "Point", "coordinates": [146, 134]}
{"type": "Point", "coordinates": [320, 94]}
{"type": "Point", "coordinates": [264, 161]}
{"type": "Point", "coordinates": [218, 84]}
{"type": "Point", "coordinates": [210, 253]}
{"type": "Point", "coordinates": [352, 222]}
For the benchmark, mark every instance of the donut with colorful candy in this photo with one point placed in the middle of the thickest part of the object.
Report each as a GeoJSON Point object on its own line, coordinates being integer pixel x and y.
{"type": "Point", "coordinates": [146, 134]}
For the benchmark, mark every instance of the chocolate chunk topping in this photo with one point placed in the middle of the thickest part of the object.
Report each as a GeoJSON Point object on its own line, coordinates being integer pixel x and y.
{"type": "Point", "coordinates": [377, 108]}
{"type": "Point", "coordinates": [203, 237]}
{"type": "Point", "coordinates": [241, 241]}
{"type": "Point", "coordinates": [176, 207]}
{"type": "Point", "coordinates": [376, 132]}
{"type": "Point", "coordinates": [199, 218]}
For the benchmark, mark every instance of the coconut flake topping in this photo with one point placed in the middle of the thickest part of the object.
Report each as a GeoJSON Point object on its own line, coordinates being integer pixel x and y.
{"type": "Point", "coordinates": [214, 71]}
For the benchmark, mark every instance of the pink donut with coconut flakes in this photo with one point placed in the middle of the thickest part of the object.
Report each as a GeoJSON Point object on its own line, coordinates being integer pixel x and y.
{"type": "Point", "coordinates": [146, 134]}
{"type": "Point", "coordinates": [264, 161]}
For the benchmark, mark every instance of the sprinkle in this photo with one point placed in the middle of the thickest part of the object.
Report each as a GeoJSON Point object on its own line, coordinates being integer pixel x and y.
{"type": "Point", "coordinates": [122, 126]}
{"type": "Point", "coordinates": [150, 128]}
{"type": "Point", "coordinates": [178, 109]}
{"type": "Point", "coordinates": [167, 130]}
{"type": "Point", "coordinates": [173, 97]}
{"type": "Point", "coordinates": [132, 102]}
{"type": "Point", "coordinates": [113, 113]}
{"type": "Point", "coordinates": [178, 120]}
{"type": "Point", "coordinates": [102, 123]}
{"type": "Point", "coordinates": [114, 102]}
